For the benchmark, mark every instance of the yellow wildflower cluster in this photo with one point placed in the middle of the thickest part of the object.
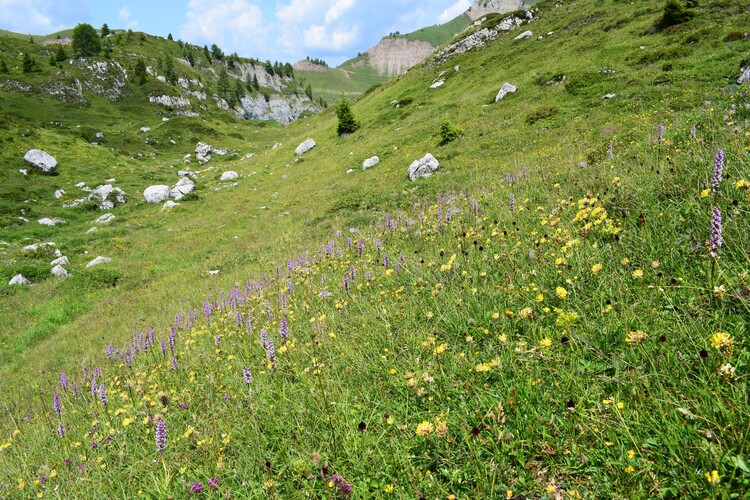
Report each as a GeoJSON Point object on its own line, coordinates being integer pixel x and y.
{"type": "Point", "coordinates": [722, 342]}
{"type": "Point", "coordinates": [636, 337]}
{"type": "Point", "coordinates": [591, 215]}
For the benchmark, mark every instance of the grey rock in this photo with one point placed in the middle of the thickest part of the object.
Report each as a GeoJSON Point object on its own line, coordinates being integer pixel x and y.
{"type": "Point", "coordinates": [229, 175]}
{"type": "Point", "coordinates": [18, 279]}
{"type": "Point", "coordinates": [38, 246]}
{"type": "Point", "coordinates": [99, 260]}
{"type": "Point", "coordinates": [305, 147]}
{"type": "Point", "coordinates": [81, 185]}
{"type": "Point", "coordinates": [276, 146]}
{"type": "Point", "coordinates": [437, 84]}
{"type": "Point", "coordinates": [370, 162]}
{"type": "Point", "coordinates": [145, 129]}
{"type": "Point", "coordinates": [46, 221]}
{"type": "Point", "coordinates": [423, 167]}
{"type": "Point", "coordinates": [187, 173]}
{"type": "Point", "coordinates": [525, 34]}
{"type": "Point", "coordinates": [169, 204]}
{"type": "Point", "coordinates": [504, 90]}
{"type": "Point", "coordinates": [203, 152]}
{"type": "Point", "coordinates": [105, 219]}
{"type": "Point", "coordinates": [107, 196]}
{"type": "Point", "coordinates": [59, 271]}
{"type": "Point", "coordinates": [59, 193]}
{"type": "Point", "coordinates": [156, 194]}
{"type": "Point", "coordinates": [92, 230]}
{"type": "Point", "coordinates": [183, 187]}
{"type": "Point", "coordinates": [60, 261]}
{"type": "Point", "coordinates": [609, 96]}
{"type": "Point", "coordinates": [213, 272]}
{"type": "Point", "coordinates": [23, 171]}
{"type": "Point", "coordinates": [744, 76]}
{"type": "Point", "coordinates": [41, 160]}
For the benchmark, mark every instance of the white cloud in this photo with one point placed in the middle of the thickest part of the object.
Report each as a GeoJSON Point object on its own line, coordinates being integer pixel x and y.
{"type": "Point", "coordinates": [235, 26]}
{"type": "Point", "coordinates": [299, 10]}
{"type": "Point", "coordinates": [454, 10]}
{"type": "Point", "coordinates": [125, 16]}
{"type": "Point", "coordinates": [38, 17]}
{"type": "Point", "coordinates": [317, 37]}
{"type": "Point", "coordinates": [338, 9]}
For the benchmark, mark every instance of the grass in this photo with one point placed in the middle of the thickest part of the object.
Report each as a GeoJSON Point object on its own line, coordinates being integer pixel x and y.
{"type": "Point", "coordinates": [537, 319]}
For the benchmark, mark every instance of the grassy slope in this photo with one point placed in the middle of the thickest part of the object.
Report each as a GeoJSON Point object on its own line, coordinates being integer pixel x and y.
{"type": "Point", "coordinates": [561, 418]}
{"type": "Point", "coordinates": [335, 82]}
{"type": "Point", "coordinates": [440, 34]}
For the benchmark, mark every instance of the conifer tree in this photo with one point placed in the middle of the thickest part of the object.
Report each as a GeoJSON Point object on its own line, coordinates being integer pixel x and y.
{"type": "Point", "coordinates": [60, 55]}
{"type": "Point", "coordinates": [347, 122]}
{"type": "Point", "coordinates": [105, 31]}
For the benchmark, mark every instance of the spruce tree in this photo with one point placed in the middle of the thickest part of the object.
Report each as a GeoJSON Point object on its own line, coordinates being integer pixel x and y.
{"type": "Point", "coordinates": [222, 85]}
{"type": "Point", "coordinates": [105, 31]}
{"type": "Point", "coordinates": [347, 122]}
{"type": "Point", "coordinates": [139, 72]}
{"type": "Point", "coordinates": [169, 72]}
{"type": "Point", "coordinates": [60, 55]}
{"type": "Point", "coordinates": [29, 64]}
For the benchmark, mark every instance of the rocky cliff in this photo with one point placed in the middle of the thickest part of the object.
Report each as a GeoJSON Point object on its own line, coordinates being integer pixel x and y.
{"type": "Point", "coordinates": [483, 7]}
{"type": "Point", "coordinates": [393, 56]}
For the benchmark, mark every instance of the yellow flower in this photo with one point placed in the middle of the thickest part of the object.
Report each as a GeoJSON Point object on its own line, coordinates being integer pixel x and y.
{"type": "Point", "coordinates": [635, 338]}
{"type": "Point", "coordinates": [545, 342]}
{"type": "Point", "coordinates": [495, 315]}
{"type": "Point", "coordinates": [713, 477]}
{"type": "Point", "coordinates": [705, 192]}
{"type": "Point", "coordinates": [389, 488]}
{"type": "Point", "coordinates": [540, 297]}
{"type": "Point", "coordinates": [742, 184]}
{"type": "Point", "coordinates": [722, 341]}
{"type": "Point", "coordinates": [127, 421]}
{"type": "Point", "coordinates": [561, 292]}
{"type": "Point", "coordinates": [629, 469]}
{"type": "Point", "coordinates": [638, 273]}
{"type": "Point", "coordinates": [509, 494]}
{"type": "Point", "coordinates": [596, 268]}
{"type": "Point", "coordinates": [440, 349]}
{"type": "Point", "coordinates": [631, 454]}
{"type": "Point", "coordinates": [424, 429]}
{"type": "Point", "coordinates": [509, 313]}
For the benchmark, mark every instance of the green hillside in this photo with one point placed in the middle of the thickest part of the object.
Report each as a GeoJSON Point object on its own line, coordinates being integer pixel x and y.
{"type": "Point", "coordinates": [439, 34]}
{"type": "Point", "coordinates": [560, 311]}
{"type": "Point", "coordinates": [345, 80]}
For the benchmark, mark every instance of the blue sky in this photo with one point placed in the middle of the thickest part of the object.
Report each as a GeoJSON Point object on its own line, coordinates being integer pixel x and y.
{"type": "Point", "coordinates": [283, 30]}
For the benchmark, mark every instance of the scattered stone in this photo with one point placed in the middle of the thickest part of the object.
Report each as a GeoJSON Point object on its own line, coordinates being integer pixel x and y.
{"type": "Point", "coordinates": [609, 96]}
{"type": "Point", "coordinates": [99, 260]}
{"type": "Point", "coordinates": [437, 84]}
{"type": "Point", "coordinates": [145, 129]}
{"type": "Point", "coordinates": [41, 160]}
{"type": "Point", "coordinates": [75, 202]}
{"type": "Point", "coordinates": [46, 221]}
{"type": "Point", "coordinates": [506, 88]}
{"type": "Point", "coordinates": [110, 180]}
{"type": "Point", "coordinates": [276, 146]}
{"type": "Point", "coordinates": [423, 168]}
{"type": "Point", "coordinates": [23, 171]}
{"type": "Point", "coordinates": [183, 187]}
{"type": "Point", "coordinates": [81, 185]}
{"type": "Point", "coordinates": [18, 279]}
{"type": "Point", "coordinates": [60, 261]}
{"type": "Point", "coordinates": [107, 196]}
{"type": "Point", "coordinates": [229, 175]}
{"type": "Point", "coordinates": [92, 230]}
{"type": "Point", "coordinates": [187, 173]}
{"type": "Point", "coordinates": [156, 194]}
{"type": "Point", "coordinates": [59, 193]}
{"type": "Point", "coordinates": [203, 152]}
{"type": "Point", "coordinates": [99, 135]}
{"type": "Point", "coordinates": [744, 76]}
{"type": "Point", "coordinates": [213, 273]}
{"type": "Point", "coordinates": [38, 246]}
{"type": "Point", "coordinates": [250, 155]}
{"type": "Point", "coordinates": [305, 147]}
{"type": "Point", "coordinates": [105, 219]}
{"type": "Point", "coordinates": [457, 68]}
{"type": "Point", "coordinates": [59, 271]}
{"type": "Point", "coordinates": [351, 170]}
{"type": "Point", "coordinates": [169, 204]}
{"type": "Point", "coordinates": [165, 119]}
{"type": "Point", "coordinates": [370, 162]}
{"type": "Point", "coordinates": [525, 34]}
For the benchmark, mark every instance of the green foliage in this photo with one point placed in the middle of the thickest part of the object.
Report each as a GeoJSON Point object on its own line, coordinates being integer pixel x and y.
{"type": "Point", "coordinates": [169, 72]}
{"type": "Point", "coordinates": [86, 42]}
{"type": "Point", "coordinates": [207, 54]}
{"type": "Point", "coordinates": [676, 12]}
{"type": "Point", "coordinates": [309, 91]}
{"type": "Point", "coordinates": [139, 71]}
{"type": "Point", "coordinates": [217, 53]}
{"type": "Point", "coordinates": [28, 63]}
{"type": "Point", "coordinates": [223, 84]}
{"type": "Point", "coordinates": [105, 31]}
{"type": "Point", "coordinates": [60, 54]}
{"type": "Point", "coordinates": [347, 123]}
{"type": "Point", "coordinates": [449, 133]}
{"type": "Point", "coordinates": [541, 113]}
{"type": "Point", "coordinates": [4, 67]}
{"type": "Point", "coordinates": [169, 37]}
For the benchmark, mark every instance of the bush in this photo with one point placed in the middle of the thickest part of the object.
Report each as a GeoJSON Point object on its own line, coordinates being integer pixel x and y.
{"type": "Point", "coordinates": [347, 122]}
{"type": "Point", "coordinates": [541, 114]}
{"type": "Point", "coordinates": [677, 12]}
{"type": "Point", "coordinates": [448, 132]}
{"type": "Point", "coordinates": [86, 41]}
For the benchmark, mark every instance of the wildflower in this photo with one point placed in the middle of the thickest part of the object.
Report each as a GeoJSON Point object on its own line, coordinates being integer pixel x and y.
{"type": "Point", "coordinates": [596, 268]}
{"type": "Point", "coordinates": [629, 469]}
{"type": "Point", "coordinates": [161, 436]}
{"type": "Point", "coordinates": [718, 168]}
{"type": "Point", "coordinates": [57, 405]}
{"type": "Point", "coordinates": [103, 394]}
{"type": "Point", "coordinates": [196, 487]}
{"type": "Point", "coordinates": [247, 376]}
{"type": "Point", "coordinates": [424, 429]}
{"type": "Point", "coordinates": [512, 202]}
{"type": "Point", "coordinates": [389, 488]}
{"type": "Point", "coordinates": [525, 313]}
{"type": "Point", "coordinates": [742, 184]}
{"type": "Point", "coordinates": [636, 337]}
{"type": "Point", "coordinates": [631, 454]}
{"type": "Point", "coordinates": [61, 430]}
{"type": "Point", "coordinates": [727, 370]}
{"type": "Point", "coordinates": [561, 292]}
{"type": "Point", "coordinates": [441, 427]}
{"type": "Point", "coordinates": [343, 487]}
{"type": "Point", "coordinates": [659, 133]}
{"type": "Point", "coordinates": [715, 242]}
{"type": "Point", "coordinates": [722, 341]}
{"type": "Point", "coordinates": [213, 482]}
{"type": "Point", "coordinates": [284, 330]}
{"type": "Point", "coordinates": [705, 193]}
{"type": "Point", "coordinates": [63, 381]}
{"type": "Point", "coordinates": [440, 349]}
{"type": "Point", "coordinates": [637, 274]}
{"type": "Point", "coordinates": [713, 477]}
{"type": "Point", "coordinates": [545, 342]}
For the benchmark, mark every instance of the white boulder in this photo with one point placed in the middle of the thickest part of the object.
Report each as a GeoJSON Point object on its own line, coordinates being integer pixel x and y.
{"type": "Point", "coordinates": [38, 246]}
{"type": "Point", "coordinates": [107, 196]}
{"type": "Point", "coordinates": [437, 84]}
{"type": "Point", "coordinates": [229, 175]}
{"type": "Point", "coordinates": [105, 219]}
{"type": "Point", "coordinates": [46, 221]}
{"type": "Point", "coordinates": [59, 271]}
{"type": "Point", "coordinates": [59, 193]}
{"type": "Point", "coordinates": [169, 204]}
{"type": "Point", "coordinates": [145, 129]}
{"type": "Point", "coordinates": [504, 90]}
{"type": "Point", "coordinates": [609, 96]}
{"type": "Point", "coordinates": [98, 260]}
{"type": "Point", "coordinates": [60, 261]}
{"type": "Point", "coordinates": [156, 194]}
{"type": "Point", "coordinates": [525, 34]}
{"type": "Point", "coordinates": [305, 147]}
{"type": "Point", "coordinates": [41, 160]}
{"type": "Point", "coordinates": [183, 187]}
{"type": "Point", "coordinates": [744, 76]}
{"type": "Point", "coordinates": [370, 162]}
{"type": "Point", "coordinates": [423, 167]}
{"type": "Point", "coordinates": [18, 279]}
{"type": "Point", "coordinates": [203, 152]}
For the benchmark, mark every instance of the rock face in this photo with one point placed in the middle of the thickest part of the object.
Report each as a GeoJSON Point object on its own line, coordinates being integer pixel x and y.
{"type": "Point", "coordinates": [229, 175]}
{"type": "Point", "coordinates": [156, 194]}
{"type": "Point", "coordinates": [504, 90]}
{"type": "Point", "coordinates": [305, 147]}
{"type": "Point", "coordinates": [480, 38]}
{"type": "Point", "coordinates": [483, 7]}
{"type": "Point", "coordinates": [18, 279]}
{"type": "Point", "coordinates": [393, 56]}
{"type": "Point", "coordinates": [99, 260]}
{"type": "Point", "coordinates": [283, 109]}
{"type": "Point", "coordinates": [41, 160]}
{"type": "Point", "coordinates": [423, 168]}
{"type": "Point", "coordinates": [183, 187]}
{"type": "Point", "coordinates": [370, 162]}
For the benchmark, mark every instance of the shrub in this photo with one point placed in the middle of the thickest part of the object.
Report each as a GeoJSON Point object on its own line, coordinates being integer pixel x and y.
{"type": "Point", "coordinates": [347, 122]}
{"type": "Point", "coordinates": [541, 114]}
{"type": "Point", "coordinates": [677, 12]}
{"type": "Point", "coordinates": [86, 41]}
{"type": "Point", "coordinates": [448, 132]}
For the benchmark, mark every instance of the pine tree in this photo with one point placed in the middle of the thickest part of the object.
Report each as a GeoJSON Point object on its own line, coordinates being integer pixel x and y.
{"type": "Point", "coordinates": [222, 85]}
{"type": "Point", "coordinates": [206, 54]}
{"type": "Point", "coordinates": [217, 53]}
{"type": "Point", "coordinates": [190, 58]}
{"type": "Point", "coordinates": [29, 64]}
{"type": "Point", "coordinates": [256, 85]}
{"type": "Point", "coordinates": [169, 72]}
{"type": "Point", "coordinates": [52, 60]}
{"type": "Point", "coordinates": [60, 55]}
{"type": "Point", "coordinates": [105, 31]}
{"type": "Point", "coordinates": [86, 42]}
{"type": "Point", "coordinates": [347, 122]}
{"type": "Point", "coordinates": [309, 91]}
{"type": "Point", "coordinates": [169, 37]}
{"type": "Point", "coordinates": [139, 72]}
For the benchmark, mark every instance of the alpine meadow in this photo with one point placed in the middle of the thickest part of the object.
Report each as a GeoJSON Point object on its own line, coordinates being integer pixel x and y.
{"type": "Point", "coordinates": [518, 270]}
